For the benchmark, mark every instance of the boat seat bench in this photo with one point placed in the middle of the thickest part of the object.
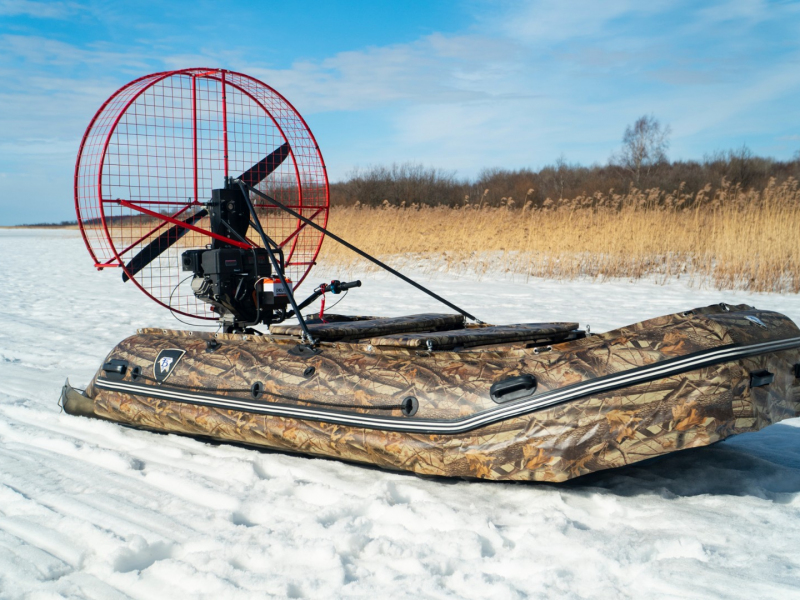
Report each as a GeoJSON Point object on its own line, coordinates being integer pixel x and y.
{"type": "Point", "coordinates": [350, 330]}
{"type": "Point", "coordinates": [429, 331]}
{"type": "Point", "coordinates": [480, 336]}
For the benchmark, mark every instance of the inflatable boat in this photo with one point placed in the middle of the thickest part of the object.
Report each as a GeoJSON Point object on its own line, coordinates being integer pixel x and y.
{"type": "Point", "coordinates": [540, 401]}
{"type": "Point", "coordinates": [435, 394]}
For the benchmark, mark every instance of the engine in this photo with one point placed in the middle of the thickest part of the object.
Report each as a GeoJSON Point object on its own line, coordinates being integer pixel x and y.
{"type": "Point", "coordinates": [237, 282]}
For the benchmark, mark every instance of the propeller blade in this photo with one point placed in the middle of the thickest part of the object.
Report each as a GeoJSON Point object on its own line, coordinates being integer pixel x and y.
{"type": "Point", "coordinates": [259, 171]}
{"type": "Point", "coordinates": [158, 245]}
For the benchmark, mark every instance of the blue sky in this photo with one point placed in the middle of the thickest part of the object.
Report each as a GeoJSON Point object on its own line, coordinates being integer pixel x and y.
{"type": "Point", "coordinates": [457, 85]}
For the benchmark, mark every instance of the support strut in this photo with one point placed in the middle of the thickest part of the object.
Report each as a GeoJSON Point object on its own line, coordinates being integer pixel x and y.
{"type": "Point", "coordinates": [308, 338]}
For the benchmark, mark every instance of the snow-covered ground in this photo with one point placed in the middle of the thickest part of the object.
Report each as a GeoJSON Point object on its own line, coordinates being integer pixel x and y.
{"type": "Point", "coordinates": [89, 509]}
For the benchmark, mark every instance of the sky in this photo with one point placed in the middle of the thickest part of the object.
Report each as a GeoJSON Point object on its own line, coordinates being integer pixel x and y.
{"type": "Point", "coordinates": [461, 86]}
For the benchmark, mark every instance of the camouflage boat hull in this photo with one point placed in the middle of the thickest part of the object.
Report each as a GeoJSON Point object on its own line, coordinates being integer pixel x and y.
{"type": "Point", "coordinates": [544, 403]}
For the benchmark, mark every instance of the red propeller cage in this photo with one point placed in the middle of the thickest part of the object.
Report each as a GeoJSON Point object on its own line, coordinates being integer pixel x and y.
{"type": "Point", "coordinates": [158, 146]}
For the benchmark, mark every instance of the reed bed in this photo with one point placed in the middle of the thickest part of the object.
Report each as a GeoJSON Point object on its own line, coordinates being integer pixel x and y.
{"type": "Point", "coordinates": [731, 239]}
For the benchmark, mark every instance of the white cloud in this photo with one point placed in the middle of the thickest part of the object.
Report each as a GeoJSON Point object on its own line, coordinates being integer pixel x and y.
{"type": "Point", "coordinates": [749, 12]}
{"type": "Point", "coordinates": [727, 104]}
{"type": "Point", "coordinates": [432, 69]}
{"type": "Point", "coordinates": [49, 53]}
{"type": "Point", "coordinates": [39, 10]}
{"type": "Point", "coordinates": [544, 22]}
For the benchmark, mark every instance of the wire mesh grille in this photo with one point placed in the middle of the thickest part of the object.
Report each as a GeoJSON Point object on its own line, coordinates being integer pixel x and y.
{"type": "Point", "coordinates": [155, 150]}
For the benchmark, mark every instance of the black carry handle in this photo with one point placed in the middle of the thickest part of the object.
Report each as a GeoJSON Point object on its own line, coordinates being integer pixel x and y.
{"type": "Point", "coordinates": [513, 388]}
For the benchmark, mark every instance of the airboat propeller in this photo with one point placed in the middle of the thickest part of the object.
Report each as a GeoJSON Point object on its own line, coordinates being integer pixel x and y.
{"type": "Point", "coordinates": [252, 177]}
{"type": "Point", "coordinates": [156, 150]}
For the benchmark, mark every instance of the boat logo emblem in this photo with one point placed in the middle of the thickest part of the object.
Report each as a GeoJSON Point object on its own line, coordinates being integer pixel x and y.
{"type": "Point", "coordinates": [756, 320]}
{"type": "Point", "coordinates": [165, 363]}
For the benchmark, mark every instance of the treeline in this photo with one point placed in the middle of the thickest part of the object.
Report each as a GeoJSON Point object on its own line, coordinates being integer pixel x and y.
{"type": "Point", "coordinates": [410, 184]}
{"type": "Point", "coordinates": [50, 224]}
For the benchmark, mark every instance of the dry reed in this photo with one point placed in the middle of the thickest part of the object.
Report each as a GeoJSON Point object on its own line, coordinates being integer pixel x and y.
{"type": "Point", "coordinates": [735, 239]}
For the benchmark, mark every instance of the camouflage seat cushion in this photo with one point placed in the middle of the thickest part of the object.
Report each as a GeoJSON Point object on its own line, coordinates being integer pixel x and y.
{"type": "Point", "coordinates": [479, 336]}
{"type": "Point", "coordinates": [368, 328]}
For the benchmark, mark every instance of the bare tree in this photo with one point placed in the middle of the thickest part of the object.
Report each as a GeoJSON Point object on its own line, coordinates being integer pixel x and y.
{"type": "Point", "coordinates": [561, 171]}
{"type": "Point", "coordinates": [644, 144]}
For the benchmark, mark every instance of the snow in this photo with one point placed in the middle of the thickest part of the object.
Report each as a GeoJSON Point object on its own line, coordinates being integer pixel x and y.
{"type": "Point", "coordinates": [89, 509]}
